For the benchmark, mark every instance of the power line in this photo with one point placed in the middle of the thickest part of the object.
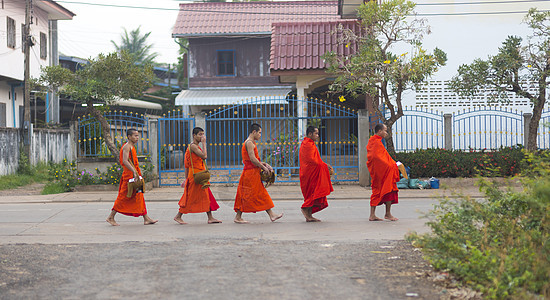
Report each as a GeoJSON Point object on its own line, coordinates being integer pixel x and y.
{"type": "Point", "coordinates": [320, 14]}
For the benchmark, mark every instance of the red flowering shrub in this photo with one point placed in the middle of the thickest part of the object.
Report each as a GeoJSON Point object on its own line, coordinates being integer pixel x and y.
{"type": "Point", "coordinates": [504, 162]}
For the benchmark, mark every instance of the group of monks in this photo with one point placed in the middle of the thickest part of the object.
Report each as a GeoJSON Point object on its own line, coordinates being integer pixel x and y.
{"type": "Point", "coordinates": [252, 196]}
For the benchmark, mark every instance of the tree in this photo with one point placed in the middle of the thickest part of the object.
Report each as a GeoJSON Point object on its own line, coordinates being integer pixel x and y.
{"type": "Point", "coordinates": [512, 70]}
{"type": "Point", "coordinates": [377, 68]}
{"type": "Point", "coordinates": [136, 45]}
{"type": "Point", "coordinates": [104, 79]}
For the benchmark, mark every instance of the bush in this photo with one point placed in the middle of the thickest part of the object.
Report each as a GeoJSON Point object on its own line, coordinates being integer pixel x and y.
{"type": "Point", "coordinates": [65, 174]}
{"type": "Point", "coordinates": [499, 245]}
{"type": "Point", "coordinates": [503, 162]}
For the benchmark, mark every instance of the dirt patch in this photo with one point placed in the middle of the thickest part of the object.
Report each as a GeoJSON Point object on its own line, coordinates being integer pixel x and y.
{"type": "Point", "coordinates": [31, 189]}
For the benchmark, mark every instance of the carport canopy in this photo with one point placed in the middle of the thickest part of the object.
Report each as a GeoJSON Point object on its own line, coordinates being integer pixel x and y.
{"type": "Point", "coordinates": [226, 96]}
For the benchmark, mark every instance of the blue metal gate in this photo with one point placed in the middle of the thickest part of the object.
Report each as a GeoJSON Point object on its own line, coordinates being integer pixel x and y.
{"type": "Point", "coordinates": [174, 136]}
{"type": "Point", "coordinates": [280, 117]}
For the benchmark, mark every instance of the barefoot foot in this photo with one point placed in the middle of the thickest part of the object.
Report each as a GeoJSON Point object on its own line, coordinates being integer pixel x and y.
{"type": "Point", "coordinates": [240, 221]}
{"type": "Point", "coordinates": [391, 218]}
{"type": "Point", "coordinates": [313, 220]}
{"type": "Point", "coordinates": [112, 222]}
{"type": "Point", "coordinates": [149, 221]}
{"type": "Point", "coordinates": [214, 221]}
{"type": "Point", "coordinates": [275, 217]}
{"type": "Point", "coordinates": [375, 218]}
{"type": "Point", "coordinates": [180, 221]}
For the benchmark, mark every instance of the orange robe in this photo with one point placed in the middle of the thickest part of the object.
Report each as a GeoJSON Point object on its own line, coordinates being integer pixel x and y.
{"type": "Point", "coordinates": [135, 205]}
{"type": "Point", "coordinates": [251, 193]}
{"type": "Point", "coordinates": [314, 177]}
{"type": "Point", "coordinates": [195, 199]}
{"type": "Point", "coordinates": [383, 171]}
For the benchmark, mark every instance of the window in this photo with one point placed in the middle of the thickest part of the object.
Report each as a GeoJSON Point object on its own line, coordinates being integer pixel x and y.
{"type": "Point", "coordinates": [43, 45]}
{"type": "Point", "coordinates": [22, 37]}
{"type": "Point", "coordinates": [2, 114]}
{"type": "Point", "coordinates": [225, 62]}
{"type": "Point", "coordinates": [11, 32]}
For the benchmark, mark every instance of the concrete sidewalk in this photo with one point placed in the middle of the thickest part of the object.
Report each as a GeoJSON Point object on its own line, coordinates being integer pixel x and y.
{"type": "Point", "coordinates": [227, 193]}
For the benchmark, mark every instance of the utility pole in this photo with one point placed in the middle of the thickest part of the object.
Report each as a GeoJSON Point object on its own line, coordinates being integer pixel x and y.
{"type": "Point", "coordinates": [26, 130]}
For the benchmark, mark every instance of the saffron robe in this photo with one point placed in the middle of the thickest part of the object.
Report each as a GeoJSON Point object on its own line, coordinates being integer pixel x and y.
{"type": "Point", "coordinates": [135, 205]}
{"type": "Point", "coordinates": [314, 177]}
{"type": "Point", "coordinates": [383, 171]}
{"type": "Point", "coordinates": [251, 193]}
{"type": "Point", "coordinates": [195, 199]}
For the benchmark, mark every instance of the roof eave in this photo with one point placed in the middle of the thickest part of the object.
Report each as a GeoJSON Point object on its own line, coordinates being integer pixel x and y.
{"type": "Point", "coordinates": [221, 34]}
{"type": "Point", "coordinates": [55, 11]}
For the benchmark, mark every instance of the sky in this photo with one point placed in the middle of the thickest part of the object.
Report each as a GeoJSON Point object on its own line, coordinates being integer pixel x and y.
{"type": "Point", "coordinates": [92, 29]}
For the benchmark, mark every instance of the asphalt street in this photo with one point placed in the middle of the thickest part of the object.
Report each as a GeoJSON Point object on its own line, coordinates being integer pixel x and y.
{"type": "Point", "coordinates": [60, 248]}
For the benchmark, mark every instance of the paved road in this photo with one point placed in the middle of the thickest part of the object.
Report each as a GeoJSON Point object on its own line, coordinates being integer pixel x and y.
{"type": "Point", "coordinates": [65, 250]}
{"type": "Point", "coordinates": [343, 220]}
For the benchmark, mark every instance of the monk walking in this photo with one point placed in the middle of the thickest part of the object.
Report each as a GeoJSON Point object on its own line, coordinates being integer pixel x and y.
{"type": "Point", "coordinates": [384, 174]}
{"type": "Point", "coordinates": [314, 176]}
{"type": "Point", "coordinates": [195, 198]}
{"type": "Point", "coordinates": [135, 205]}
{"type": "Point", "coordinates": [251, 194]}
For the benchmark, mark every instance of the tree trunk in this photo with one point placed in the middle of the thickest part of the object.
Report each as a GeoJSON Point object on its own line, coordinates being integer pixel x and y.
{"type": "Point", "coordinates": [105, 131]}
{"type": "Point", "coordinates": [389, 141]}
{"type": "Point", "coordinates": [534, 124]}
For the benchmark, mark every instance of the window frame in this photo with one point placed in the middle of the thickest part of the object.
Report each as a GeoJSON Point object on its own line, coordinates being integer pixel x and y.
{"type": "Point", "coordinates": [218, 52]}
{"type": "Point", "coordinates": [11, 33]}
{"type": "Point", "coordinates": [43, 45]}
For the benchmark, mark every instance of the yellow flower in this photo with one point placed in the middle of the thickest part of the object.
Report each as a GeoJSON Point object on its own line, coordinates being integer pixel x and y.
{"type": "Point", "coordinates": [387, 61]}
{"type": "Point", "coordinates": [351, 74]}
{"type": "Point", "coordinates": [394, 60]}
{"type": "Point", "coordinates": [342, 99]}
{"type": "Point", "coordinates": [529, 66]}
{"type": "Point", "coordinates": [347, 45]}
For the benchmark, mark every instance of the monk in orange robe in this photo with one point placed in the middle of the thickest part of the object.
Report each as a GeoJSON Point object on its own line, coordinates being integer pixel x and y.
{"type": "Point", "coordinates": [135, 205]}
{"type": "Point", "coordinates": [251, 193]}
{"type": "Point", "coordinates": [384, 174]}
{"type": "Point", "coordinates": [314, 176]}
{"type": "Point", "coordinates": [195, 199]}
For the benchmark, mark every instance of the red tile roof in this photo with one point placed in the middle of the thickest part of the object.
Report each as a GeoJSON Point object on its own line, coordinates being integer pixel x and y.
{"type": "Point", "coordinates": [245, 18]}
{"type": "Point", "coordinates": [300, 46]}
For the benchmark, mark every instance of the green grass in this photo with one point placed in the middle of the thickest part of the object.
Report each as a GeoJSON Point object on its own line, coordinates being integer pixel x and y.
{"type": "Point", "coordinates": [55, 187]}
{"type": "Point", "coordinates": [39, 174]}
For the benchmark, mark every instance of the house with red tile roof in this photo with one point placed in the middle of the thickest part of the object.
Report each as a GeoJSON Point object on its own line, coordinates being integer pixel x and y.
{"type": "Point", "coordinates": [241, 50]}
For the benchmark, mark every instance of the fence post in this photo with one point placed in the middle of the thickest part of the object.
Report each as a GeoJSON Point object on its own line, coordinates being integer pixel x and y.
{"type": "Point", "coordinates": [73, 141]}
{"type": "Point", "coordinates": [448, 131]}
{"type": "Point", "coordinates": [200, 121]}
{"type": "Point", "coordinates": [153, 147]}
{"type": "Point", "coordinates": [363, 135]}
{"type": "Point", "coordinates": [526, 120]}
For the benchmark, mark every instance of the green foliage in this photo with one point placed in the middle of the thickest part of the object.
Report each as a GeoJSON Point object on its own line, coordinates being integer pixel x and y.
{"type": "Point", "coordinates": [499, 245]}
{"type": "Point", "coordinates": [136, 45]}
{"type": "Point", "coordinates": [513, 70]}
{"type": "Point", "coordinates": [24, 166]}
{"type": "Point", "coordinates": [37, 174]}
{"type": "Point", "coordinates": [54, 187]}
{"type": "Point", "coordinates": [374, 68]}
{"type": "Point", "coordinates": [504, 162]}
{"type": "Point", "coordinates": [67, 175]}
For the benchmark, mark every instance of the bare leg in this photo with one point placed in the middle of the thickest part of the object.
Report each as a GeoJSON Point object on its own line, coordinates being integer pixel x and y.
{"type": "Point", "coordinates": [388, 215]}
{"type": "Point", "coordinates": [211, 219]}
{"type": "Point", "coordinates": [307, 212]}
{"type": "Point", "coordinates": [178, 219]}
{"type": "Point", "coordinates": [148, 221]}
{"type": "Point", "coordinates": [273, 216]}
{"type": "Point", "coordinates": [373, 216]}
{"type": "Point", "coordinates": [111, 218]}
{"type": "Point", "coordinates": [239, 218]}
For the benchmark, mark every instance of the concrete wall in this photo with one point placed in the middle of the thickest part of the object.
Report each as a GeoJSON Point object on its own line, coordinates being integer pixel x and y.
{"type": "Point", "coordinates": [9, 150]}
{"type": "Point", "coordinates": [46, 145]}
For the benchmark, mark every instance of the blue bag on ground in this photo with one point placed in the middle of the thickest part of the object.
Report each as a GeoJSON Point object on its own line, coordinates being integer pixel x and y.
{"type": "Point", "coordinates": [403, 183]}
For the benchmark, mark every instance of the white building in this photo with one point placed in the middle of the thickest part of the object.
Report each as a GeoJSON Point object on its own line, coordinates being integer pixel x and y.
{"type": "Point", "coordinates": [43, 30]}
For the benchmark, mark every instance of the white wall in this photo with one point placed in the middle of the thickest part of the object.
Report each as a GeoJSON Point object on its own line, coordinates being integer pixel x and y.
{"type": "Point", "coordinates": [12, 60]}
{"type": "Point", "coordinates": [5, 97]}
